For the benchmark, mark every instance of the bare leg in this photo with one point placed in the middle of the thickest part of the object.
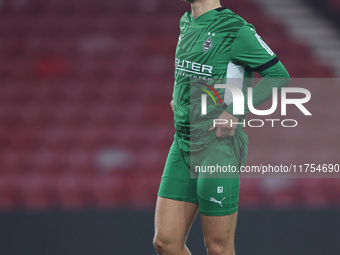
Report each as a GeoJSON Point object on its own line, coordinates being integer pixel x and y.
{"type": "Point", "coordinates": [173, 220]}
{"type": "Point", "coordinates": [219, 233]}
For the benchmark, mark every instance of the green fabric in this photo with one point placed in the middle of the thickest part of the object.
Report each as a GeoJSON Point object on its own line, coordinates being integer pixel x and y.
{"type": "Point", "coordinates": [273, 77]}
{"type": "Point", "coordinates": [191, 60]}
{"type": "Point", "coordinates": [248, 48]}
{"type": "Point", "coordinates": [182, 180]}
{"type": "Point", "coordinates": [217, 45]}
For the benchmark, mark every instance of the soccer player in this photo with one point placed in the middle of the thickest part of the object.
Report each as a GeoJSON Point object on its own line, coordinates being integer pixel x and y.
{"type": "Point", "coordinates": [214, 43]}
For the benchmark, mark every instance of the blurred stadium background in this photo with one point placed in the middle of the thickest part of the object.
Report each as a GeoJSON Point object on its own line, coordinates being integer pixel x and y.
{"type": "Point", "coordinates": [85, 127]}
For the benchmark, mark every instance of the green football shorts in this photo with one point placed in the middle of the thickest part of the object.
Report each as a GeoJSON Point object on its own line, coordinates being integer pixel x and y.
{"type": "Point", "coordinates": [209, 178]}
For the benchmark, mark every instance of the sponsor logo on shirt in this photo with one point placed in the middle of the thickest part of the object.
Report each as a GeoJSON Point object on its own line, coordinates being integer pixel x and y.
{"type": "Point", "coordinates": [193, 69]}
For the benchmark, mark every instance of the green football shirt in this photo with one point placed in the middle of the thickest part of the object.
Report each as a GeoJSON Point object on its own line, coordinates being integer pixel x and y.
{"type": "Point", "coordinates": [217, 45]}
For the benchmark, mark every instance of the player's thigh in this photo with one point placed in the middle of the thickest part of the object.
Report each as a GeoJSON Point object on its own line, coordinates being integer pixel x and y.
{"type": "Point", "coordinates": [177, 203]}
{"type": "Point", "coordinates": [218, 191]}
{"type": "Point", "coordinates": [177, 183]}
{"type": "Point", "coordinates": [173, 220]}
{"type": "Point", "coordinates": [219, 233]}
{"type": "Point", "coordinates": [218, 195]}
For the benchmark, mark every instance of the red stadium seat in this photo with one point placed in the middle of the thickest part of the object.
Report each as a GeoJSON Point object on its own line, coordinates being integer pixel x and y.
{"type": "Point", "coordinates": [316, 192]}
{"type": "Point", "coordinates": [251, 195]}
{"type": "Point", "coordinates": [73, 192]}
{"type": "Point", "coordinates": [110, 191]}
{"type": "Point", "coordinates": [8, 196]}
{"type": "Point", "coordinates": [34, 192]}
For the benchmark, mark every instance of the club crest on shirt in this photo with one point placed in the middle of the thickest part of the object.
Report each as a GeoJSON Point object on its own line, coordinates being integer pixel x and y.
{"type": "Point", "coordinates": [207, 44]}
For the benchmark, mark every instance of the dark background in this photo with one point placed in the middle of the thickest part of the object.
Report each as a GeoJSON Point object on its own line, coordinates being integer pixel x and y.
{"type": "Point", "coordinates": [126, 232]}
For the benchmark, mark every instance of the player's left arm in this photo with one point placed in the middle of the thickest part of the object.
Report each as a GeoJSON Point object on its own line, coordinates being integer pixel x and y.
{"type": "Point", "coordinates": [250, 51]}
{"type": "Point", "coordinates": [275, 76]}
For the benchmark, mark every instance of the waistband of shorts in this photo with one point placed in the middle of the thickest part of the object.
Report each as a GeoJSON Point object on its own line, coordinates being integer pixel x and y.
{"type": "Point", "coordinates": [188, 132]}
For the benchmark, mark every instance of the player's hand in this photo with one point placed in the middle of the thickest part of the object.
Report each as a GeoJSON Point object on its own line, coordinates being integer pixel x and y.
{"type": "Point", "coordinates": [224, 130]}
{"type": "Point", "coordinates": [172, 105]}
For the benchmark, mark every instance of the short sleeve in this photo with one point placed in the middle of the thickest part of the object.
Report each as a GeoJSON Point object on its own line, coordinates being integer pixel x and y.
{"type": "Point", "coordinates": [250, 50]}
